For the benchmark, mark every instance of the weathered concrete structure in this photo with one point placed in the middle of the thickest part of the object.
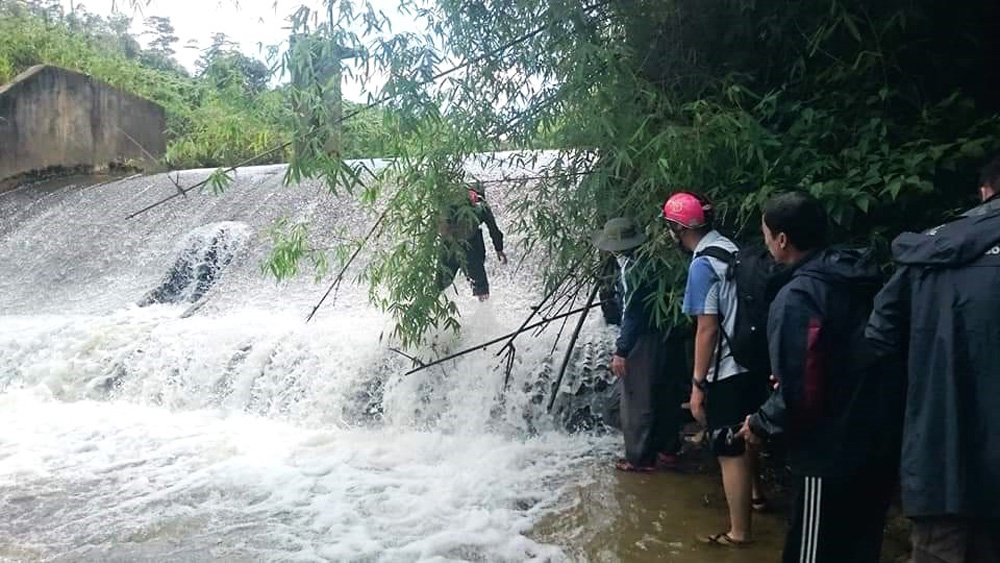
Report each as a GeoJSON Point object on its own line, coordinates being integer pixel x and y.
{"type": "Point", "coordinates": [56, 118]}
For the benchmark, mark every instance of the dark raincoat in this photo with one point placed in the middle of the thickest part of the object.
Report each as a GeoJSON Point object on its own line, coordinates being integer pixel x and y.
{"type": "Point", "coordinates": [942, 310]}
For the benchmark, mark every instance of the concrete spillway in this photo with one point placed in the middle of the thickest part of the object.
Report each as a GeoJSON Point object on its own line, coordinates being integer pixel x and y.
{"type": "Point", "coordinates": [240, 432]}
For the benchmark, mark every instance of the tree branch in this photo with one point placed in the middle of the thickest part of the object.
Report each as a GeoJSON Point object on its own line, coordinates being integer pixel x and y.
{"type": "Point", "coordinates": [485, 345]}
{"type": "Point", "coordinates": [572, 344]}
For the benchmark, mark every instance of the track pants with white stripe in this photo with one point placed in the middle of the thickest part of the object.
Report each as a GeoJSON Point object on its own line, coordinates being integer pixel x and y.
{"type": "Point", "coordinates": [839, 520]}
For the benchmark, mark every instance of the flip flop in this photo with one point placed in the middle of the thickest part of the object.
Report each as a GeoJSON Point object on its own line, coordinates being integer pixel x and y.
{"type": "Point", "coordinates": [624, 465]}
{"type": "Point", "coordinates": [723, 540]}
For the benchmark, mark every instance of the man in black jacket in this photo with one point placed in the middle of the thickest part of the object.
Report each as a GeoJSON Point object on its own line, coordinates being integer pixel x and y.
{"type": "Point", "coordinates": [942, 310]}
{"type": "Point", "coordinates": [815, 336]}
{"type": "Point", "coordinates": [463, 226]}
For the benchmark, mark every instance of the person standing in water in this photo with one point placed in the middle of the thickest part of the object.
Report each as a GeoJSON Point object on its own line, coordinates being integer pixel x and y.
{"type": "Point", "coordinates": [650, 405]}
{"type": "Point", "coordinates": [723, 392]}
{"type": "Point", "coordinates": [837, 406]}
{"type": "Point", "coordinates": [464, 226]}
{"type": "Point", "coordinates": [941, 312]}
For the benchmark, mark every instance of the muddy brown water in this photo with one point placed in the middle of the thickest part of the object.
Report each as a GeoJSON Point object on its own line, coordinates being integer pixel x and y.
{"type": "Point", "coordinates": [634, 518]}
{"type": "Point", "coordinates": [623, 517]}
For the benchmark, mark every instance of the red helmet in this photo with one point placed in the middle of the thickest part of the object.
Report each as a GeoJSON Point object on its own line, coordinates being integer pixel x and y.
{"type": "Point", "coordinates": [688, 210]}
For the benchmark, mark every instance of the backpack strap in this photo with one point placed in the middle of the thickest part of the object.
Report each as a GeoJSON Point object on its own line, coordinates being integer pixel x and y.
{"type": "Point", "coordinates": [721, 254]}
{"type": "Point", "coordinates": [729, 259]}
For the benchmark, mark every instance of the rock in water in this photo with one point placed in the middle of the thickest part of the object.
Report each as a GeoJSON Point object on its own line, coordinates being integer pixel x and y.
{"type": "Point", "coordinates": [203, 256]}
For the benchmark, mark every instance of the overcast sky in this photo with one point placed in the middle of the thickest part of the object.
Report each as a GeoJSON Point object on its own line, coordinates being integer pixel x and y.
{"type": "Point", "coordinates": [250, 23]}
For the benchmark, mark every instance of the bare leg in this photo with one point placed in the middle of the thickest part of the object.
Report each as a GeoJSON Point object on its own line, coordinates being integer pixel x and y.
{"type": "Point", "coordinates": [737, 480]}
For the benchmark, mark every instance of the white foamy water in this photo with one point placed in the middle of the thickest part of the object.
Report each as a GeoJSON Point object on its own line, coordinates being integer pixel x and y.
{"type": "Point", "coordinates": [240, 432]}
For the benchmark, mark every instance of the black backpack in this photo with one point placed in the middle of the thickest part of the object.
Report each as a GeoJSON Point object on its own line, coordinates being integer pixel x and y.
{"type": "Point", "coordinates": [871, 421]}
{"type": "Point", "coordinates": [758, 279]}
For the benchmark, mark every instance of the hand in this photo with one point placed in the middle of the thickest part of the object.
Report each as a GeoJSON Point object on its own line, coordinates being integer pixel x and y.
{"type": "Point", "coordinates": [775, 383]}
{"type": "Point", "coordinates": [697, 404]}
{"type": "Point", "coordinates": [618, 365]}
{"type": "Point", "coordinates": [502, 257]}
{"type": "Point", "coordinates": [747, 433]}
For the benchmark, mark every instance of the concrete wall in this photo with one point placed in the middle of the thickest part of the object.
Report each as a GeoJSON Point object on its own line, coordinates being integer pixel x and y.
{"type": "Point", "coordinates": [52, 117]}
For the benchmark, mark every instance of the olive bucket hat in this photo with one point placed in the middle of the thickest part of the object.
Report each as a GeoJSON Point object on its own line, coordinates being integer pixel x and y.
{"type": "Point", "coordinates": [619, 234]}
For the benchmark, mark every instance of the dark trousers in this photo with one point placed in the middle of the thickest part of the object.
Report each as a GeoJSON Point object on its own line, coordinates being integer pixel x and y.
{"type": "Point", "coordinates": [839, 520]}
{"type": "Point", "coordinates": [650, 402]}
{"type": "Point", "coordinates": [474, 267]}
{"type": "Point", "coordinates": [951, 539]}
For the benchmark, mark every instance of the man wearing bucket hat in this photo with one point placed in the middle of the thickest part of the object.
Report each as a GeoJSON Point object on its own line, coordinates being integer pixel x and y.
{"type": "Point", "coordinates": [723, 393]}
{"type": "Point", "coordinates": [650, 416]}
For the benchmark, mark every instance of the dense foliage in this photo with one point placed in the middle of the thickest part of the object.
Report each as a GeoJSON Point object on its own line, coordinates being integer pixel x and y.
{"type": "Point", "coordinates": [226, 113]}
{"type": "Point", "coordinates": [884, 111]}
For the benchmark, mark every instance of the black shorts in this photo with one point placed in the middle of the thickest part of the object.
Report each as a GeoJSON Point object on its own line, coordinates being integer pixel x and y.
{"type": "Point", "coordinates": [728, 402]}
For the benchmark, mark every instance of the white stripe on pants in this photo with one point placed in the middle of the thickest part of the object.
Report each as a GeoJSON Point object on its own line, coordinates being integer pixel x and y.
{"type": "Point", "coordinates": [811, 504]}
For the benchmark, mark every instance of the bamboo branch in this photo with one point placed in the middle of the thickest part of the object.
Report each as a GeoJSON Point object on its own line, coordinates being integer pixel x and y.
{"type": "Point", "coordinates": [416, 361]}
{"type": "Point", "coordinates": [572, 344]}
{"type": "Point", "coordinates": [565, 321]}
{"type": "Point", "coordinates": [537, 308]}
{"type": "Point", "coordinates": [509, 346]}
{"type": "Point", "coordinates": [567, 299]}
{"type": "Point", "coordinates": [177, 184]}
{"type": "Point", "coordinates": [512, 179]}
{"type": "Point", "coordinates": [497, 340]}
{"type": "Point", "coordinates": [233, 168]}
{"type": "Point", "coordinates": [361, 245]}
{"type": "Point", "coordinates": [340, 276]}
{"type": "Point", "coordinates": [138, 144]}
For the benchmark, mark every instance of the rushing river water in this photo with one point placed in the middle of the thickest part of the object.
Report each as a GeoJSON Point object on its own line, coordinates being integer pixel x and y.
{"type": "Point", "coordinates": [240, 433]}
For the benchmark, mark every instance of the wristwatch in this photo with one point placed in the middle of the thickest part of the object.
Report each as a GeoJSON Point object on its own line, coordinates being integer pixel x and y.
{"type": "Point", "coordinates": [699, 383]}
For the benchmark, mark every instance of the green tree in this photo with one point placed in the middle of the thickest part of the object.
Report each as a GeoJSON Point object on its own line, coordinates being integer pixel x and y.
{"type": "Point", "coordinates": [160, 52]}
{"type": "Point", "coordinates": [224, 65]}
{"type": "Point", "coordinates": [873, 108]}
{"type": "Point", "coordinates": [163, 35]}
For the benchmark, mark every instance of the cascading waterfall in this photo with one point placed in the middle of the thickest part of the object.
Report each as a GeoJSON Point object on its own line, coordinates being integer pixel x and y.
{"type": "Point", "coordinates": [202, 258]}
{"type": "Point", "coordinates": [232, 429]}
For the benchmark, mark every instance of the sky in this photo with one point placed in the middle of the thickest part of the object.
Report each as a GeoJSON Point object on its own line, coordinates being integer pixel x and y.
{"type": "Point", "coordinates": [251, 23]}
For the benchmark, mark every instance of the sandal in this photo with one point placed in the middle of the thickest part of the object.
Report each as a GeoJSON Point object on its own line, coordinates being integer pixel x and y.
{"type": "Point", "coordinates": [624, 465]}
{"type": "Point", "coordinates": [723, 540]}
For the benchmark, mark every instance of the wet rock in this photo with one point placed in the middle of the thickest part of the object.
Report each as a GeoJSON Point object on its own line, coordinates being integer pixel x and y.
{"type": "Point", "coordinates": [205, 253]}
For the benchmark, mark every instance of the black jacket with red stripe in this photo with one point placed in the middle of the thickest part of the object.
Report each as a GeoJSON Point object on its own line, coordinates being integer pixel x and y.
{"type": "Point", "coordinates": [816, 341]}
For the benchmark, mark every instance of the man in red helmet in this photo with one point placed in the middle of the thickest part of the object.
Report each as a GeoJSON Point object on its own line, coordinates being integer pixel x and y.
{"type": "Point", "coordinates": [465, 228]}
{"type": "Point", "coordinates": [723, 393]}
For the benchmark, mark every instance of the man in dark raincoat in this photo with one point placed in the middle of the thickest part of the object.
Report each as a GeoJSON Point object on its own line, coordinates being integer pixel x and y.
{"type": "Point", "coordinates": [942, 310]}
